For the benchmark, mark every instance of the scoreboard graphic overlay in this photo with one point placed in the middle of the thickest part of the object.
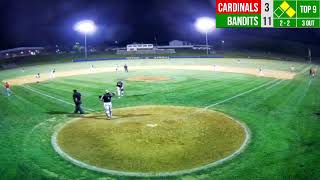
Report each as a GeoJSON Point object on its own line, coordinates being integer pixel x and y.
{"type": "Point", "coordinates": [268, 13]}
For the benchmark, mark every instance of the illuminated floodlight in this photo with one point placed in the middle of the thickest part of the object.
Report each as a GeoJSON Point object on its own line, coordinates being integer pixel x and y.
{"type": "Point", "coordinates": [205, 25]}
{"type": "Point", "coordinates": [85, 26]}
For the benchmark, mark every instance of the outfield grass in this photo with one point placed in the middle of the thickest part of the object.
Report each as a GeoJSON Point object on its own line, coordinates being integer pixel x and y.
{"type": "Point", "coordinates": [283, 117]}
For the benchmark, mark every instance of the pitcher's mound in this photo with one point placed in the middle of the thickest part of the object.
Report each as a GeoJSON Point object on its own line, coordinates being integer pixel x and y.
{"type": "Point", "coordinates": [152, 139]}
{"type": "Point", "coordinates": [149, 78]}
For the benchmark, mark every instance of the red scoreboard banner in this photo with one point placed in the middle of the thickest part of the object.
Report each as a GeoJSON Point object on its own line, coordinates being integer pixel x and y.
{"type": "Point", "coordinates": [238, 6]}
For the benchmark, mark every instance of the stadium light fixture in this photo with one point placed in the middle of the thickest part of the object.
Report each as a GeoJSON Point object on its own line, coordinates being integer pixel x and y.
{"type": "Point", "coordinates": [85, 27]}
{"type": "Point", "coordinates": [205, 25]}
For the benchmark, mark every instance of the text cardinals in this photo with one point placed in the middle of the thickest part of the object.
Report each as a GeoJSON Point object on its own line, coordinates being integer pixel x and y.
{"type": "Point", "coordinates": [238, 7]}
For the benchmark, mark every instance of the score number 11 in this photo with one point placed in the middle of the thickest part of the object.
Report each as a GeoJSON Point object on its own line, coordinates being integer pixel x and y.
{"type": "Point", "coordinates": [267, 13]}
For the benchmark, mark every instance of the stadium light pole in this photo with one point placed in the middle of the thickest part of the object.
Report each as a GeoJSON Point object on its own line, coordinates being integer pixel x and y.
{"type": "Point", "coordinates": [310, 55]}
{"type": "Point", "coordinates": [85, 27]}
{"type": "Point", "coordinates": [205, 25]}
{"type": "Point", "coordinates": [222, 43]}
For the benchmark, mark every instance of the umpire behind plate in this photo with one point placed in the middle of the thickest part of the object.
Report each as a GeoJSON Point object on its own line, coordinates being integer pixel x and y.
{"type": "Point", "coordinates": [107, 103]}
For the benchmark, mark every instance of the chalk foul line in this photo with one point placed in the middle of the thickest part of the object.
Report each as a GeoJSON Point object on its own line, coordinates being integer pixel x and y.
{"type": "Point", "coordinates": [275, 84]}
{"type": "Point", "coordinates": [241, 94]}
{"type": "Point", "coordinates": [51, 97]}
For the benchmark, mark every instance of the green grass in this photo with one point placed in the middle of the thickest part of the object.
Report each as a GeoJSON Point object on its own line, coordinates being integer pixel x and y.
{"type": "Point", "coordinates": [284, 119]}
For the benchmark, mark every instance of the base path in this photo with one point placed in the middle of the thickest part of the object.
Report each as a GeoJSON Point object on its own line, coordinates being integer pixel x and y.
{"type": "Point", "coordinates": [251, 71]}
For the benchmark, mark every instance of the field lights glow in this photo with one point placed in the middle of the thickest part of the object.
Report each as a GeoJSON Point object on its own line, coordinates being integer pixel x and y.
{"type": "Point", "coordinates": [85, 26]}
{"type": "Point", "coordinates": [205, 24]}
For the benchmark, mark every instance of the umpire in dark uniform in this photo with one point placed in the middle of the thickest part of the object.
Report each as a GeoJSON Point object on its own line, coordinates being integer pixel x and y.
{"type": "Point", "coordinates": [77, 101]}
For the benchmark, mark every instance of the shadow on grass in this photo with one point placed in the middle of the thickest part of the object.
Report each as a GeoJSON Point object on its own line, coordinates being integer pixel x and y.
{"type": "Point", "coordinates": [69, 114]}
{"type": "Point", "coordinates": [58, 113]}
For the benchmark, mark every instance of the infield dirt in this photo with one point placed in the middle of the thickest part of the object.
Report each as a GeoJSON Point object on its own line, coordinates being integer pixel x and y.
{"type": "Point", "coordinates": [152, 139]}
{"type": "Point", "coordinates": [251, 71]}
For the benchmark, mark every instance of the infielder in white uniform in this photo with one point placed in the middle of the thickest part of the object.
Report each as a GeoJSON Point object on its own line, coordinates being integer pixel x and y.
{"type": "Point", "coordinates": [91, 68]}
{"type": "Point", "coordinates": [120, 88]}
{"type": "Point", "coordinates": [38, 77]}
{"type": "Point", "coordinates": [53, 74]}
{"type": "Point", "coordinates": [117, 68]}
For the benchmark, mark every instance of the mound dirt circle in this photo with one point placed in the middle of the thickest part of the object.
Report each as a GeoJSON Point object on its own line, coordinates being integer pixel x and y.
{"type": "Point", "coordinates": [148, 78]}
{"type": "Point", "coordinates": [150, 139]}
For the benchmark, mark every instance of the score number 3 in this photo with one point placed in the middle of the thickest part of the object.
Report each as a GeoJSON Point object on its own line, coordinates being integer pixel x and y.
{"type": "Point", "coordinates": [267, 9]}
{"type": "Point", "coordinates": [267, 21]}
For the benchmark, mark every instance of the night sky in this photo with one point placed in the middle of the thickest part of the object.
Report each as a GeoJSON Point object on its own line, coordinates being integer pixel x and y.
{"type": "Point", "coordinates": [50, 22]}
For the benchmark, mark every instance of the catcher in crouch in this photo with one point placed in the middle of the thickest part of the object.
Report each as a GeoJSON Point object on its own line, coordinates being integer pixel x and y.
{"type": "Point", "coordinates": [107, 103]}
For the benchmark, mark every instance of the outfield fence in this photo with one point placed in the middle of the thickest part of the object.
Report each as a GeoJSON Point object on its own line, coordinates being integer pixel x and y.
{"type": "Point", "coordinates": [138, 58]}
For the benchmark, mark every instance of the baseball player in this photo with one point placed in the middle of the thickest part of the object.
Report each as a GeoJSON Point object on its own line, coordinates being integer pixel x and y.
{"type": "Point", "coordinates": [126, 68]}
{"type": "Point", "coordinates": [117, 68]}
{"type": "Point", "coordinates": [120, 88]}
{"type": "Point", "coordinates": [8, 90]}
{"type": "Point", "coordinates": [107, 103]}
{"type": "Point", "coordinates": [293, 68]}
{"type": "Point", "coordinates": [53, 74]}
{"type": "Point", "coordinates": [77, 102]}
{"type": "Point", "coordinates": [38, 77]}
{"type": "Point", "coordinates": [313, 72]}
{"type": "Point", "coordinates": [310, 72]}
{"type": "Point", "coordinates": [261, 71]}
{"type": "Point", "coordinates": [91, 68]}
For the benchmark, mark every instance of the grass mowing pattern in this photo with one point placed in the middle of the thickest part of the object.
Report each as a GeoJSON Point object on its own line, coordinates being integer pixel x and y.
{"type": "Point", "coordinates": [152, 139]}
{"type": "Point", "coordinates": [284, 120]}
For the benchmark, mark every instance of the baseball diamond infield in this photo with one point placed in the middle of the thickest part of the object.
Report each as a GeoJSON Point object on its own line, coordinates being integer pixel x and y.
{"type": "Point", "coordinates": [151, 140]}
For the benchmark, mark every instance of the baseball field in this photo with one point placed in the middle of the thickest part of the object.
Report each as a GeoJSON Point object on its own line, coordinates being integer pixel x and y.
{"type": "Point", "coordinates": [179, 119]}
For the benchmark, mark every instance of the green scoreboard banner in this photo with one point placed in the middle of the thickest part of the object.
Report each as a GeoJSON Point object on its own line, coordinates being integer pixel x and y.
{"type": "Point", "coordinates": [268, 13]}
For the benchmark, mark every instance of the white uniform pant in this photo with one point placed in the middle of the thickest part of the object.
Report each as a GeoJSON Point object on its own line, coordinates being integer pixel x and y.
{"type": "Point", "coordinates": [120, 91]}
{"type": "Point", "coordinates": [108, 109]}
{"type": "Point", "coordinates": [52, 75]}
{"type": "Point", "coordinates": [8, 91]}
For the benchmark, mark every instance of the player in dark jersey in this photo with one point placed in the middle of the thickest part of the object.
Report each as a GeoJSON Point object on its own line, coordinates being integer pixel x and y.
{"type": "Point", "coordinates": [77, 102]}
{"type": "Point", "coordinates": [120, 88]}
{"type": "Point", "coordinates": [107, 103]}
{"type": "Point", "coordinates": [126, 68]}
